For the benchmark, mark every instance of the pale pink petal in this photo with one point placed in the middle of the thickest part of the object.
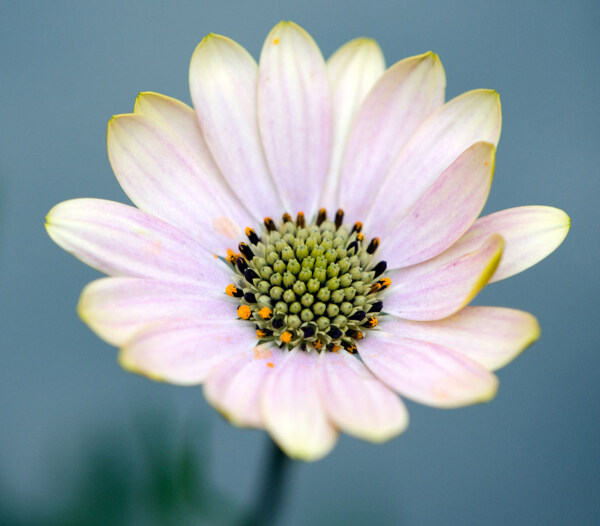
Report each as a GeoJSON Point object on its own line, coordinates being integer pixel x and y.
{"type": "Point", "coordinates": [295, 115]}
{"type": "Point", "coordinates": [223, 83]}
{"type": "Point", "coordinates": [183, 352]}
{"type": "Point", "coordinates": [120, 240]}
{"type": "Point", "coordinates": [432, 293]}
{"type": "Point", "coordinates": [118, 308]}
{"type": "Point", "coordinates": [292, 409]}
{"type": "Point", "coordinates": [472, 117]}
{"type": "Point", "coordinates": [443, 213]}
{"type": "Point", "coordinates": [400, 101]}
{"type": "Point", "coordinates": [234, 388]}
{"type": "Point", "coordinates": [490, 336]}
{"type": "Point", "coordinates": [162, 176]}
{"type": "Point", "coordinates": [352, 70]}
{"type": "Point", "coordinates": [530, 233]}
{"type": "Point", "coordinates": [357, 402]}
{"type": "Point", "coordinates": [427, 373]}
{"type": "Point", "coordinates": [180, 119]}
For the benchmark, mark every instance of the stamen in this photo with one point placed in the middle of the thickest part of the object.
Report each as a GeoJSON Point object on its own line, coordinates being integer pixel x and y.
{"type": "Point", "coordinates": [231, 256]}
{"type": "Point", "coordinates": [249, 297]}
{"type": "Point", "coordinates": [379, 269]}
{"type": "Point", "coordinates": [286, 337]}
{"type": "Point", "coordinates": [357, 227]}
{"type": "Point", "coordinates": [277, 323]}
{"type": "Point", "coordinates": [373, 245]}
{"type": "Point", "coordinates": [359, 315]}
{"type": "Point", "coordinates": [370, 323]}
{"type": "Point", "coordinates": [244, 312]}
{"type": "Point", "coordinates": [241, 264]}
{"type": "Point", "coordinates": [263, 333]}
{"type": "Point", "coordinates": [246, 251]}
{"type": "Point", "coordinates": [300, 220]}
{"type": "Point", "coordinates": [357, 335]}
{"type": "Point", "coordinates": [269, 224]}
{"type": "Point", "coordinates": [376, 307]}
{"type": "Point", "coordinates": [250, 275]}
{"type": "Point", "coordinates": [335, 333]}
{"type": "Point", "coordinates": [309, 331]}
{"type": "Point", "coordinates": [265, 313]}
{"type": "Point", "coordinates": [339, 218]}
{"type": "Point", "coordinates": [360, 236]}
{"type": "Point", "coordinates": [254, 239]}
{"type": "Point", "coordinates": [286, 217]}
{"type": "Point", "coordinates": [318, 345]}
{"type": "Point", "coordinates": [233, 291]}
{"type": "Point", "coordinates": [350, 347]}
{"type": "Point", "coordinates": [321, 217]}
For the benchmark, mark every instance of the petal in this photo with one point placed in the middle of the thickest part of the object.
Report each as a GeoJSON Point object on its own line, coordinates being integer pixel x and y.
{"type": "Point", "coordinates": [223, 80]}
{"type": "Point", "coordinates": [352, 71]}
{"type": "Point", "coordinates": [235, 387]}
{"type": "Point", "coordinates": [292, 408]}
{"type": "Point", "coordinates": [396, 106]}
{"type": "Point", "coordinates": [120, 240]}
{"type": "Point", "coordinates": [295, 115]}
{"type": "Point", "coordinates": [490, 336]}
{"type": "Point", "coordinates": [424, 292]}
{"type": "Point", "coordinates": [162, 176]}
{"type": "Point", "coordinates": [180, 353]}
{"type": "Point", "coordinates": [427, 373]}
{"type": "Point", "coordinates": [530, 232]}
{"type": "Point", "coordinates": [472, 117]}
{"type": "Point", "coordinates": [118, 308]}
{"type": "Point", "coordinates": [357, 402]}
{"type": "Point", "coordinates": [444, 212]}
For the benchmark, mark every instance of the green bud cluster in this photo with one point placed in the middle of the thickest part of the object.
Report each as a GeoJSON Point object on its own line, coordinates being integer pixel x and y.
{"type": "Point", "coordinates": [310, 286]}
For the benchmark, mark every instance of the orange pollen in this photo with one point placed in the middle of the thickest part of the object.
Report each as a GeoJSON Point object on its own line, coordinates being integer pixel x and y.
{"type": "Point", "coordinates": [359, 335]}
{"type": "Point", "coordinates": [231, 256]}
{"type": "Point", "coordinates": [261, 333]}
{"type": "Point", "coordinates": [270, 364]}
{"type": "Point", "coordinates": [265, 313]}
{"type": "Point", "coordinates": [244, 312]}
{"type": "Point", "coordinates": [375, 288]}
{"type": "Point", "coordinates": [385, 283]}
{"type": "Point", "coordinates": [231, 290]}
{"type": "Point", "coordinates": [371, 322]}
{"type": "Point", "coordinates": [317, 344]}
{"type": "Point", "coordinates": [336, 348]}
{"type": "Point", "coordinates": [286, 337]}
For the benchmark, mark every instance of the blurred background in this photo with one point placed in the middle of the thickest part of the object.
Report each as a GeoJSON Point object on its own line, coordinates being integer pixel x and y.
{"type": "Point", "coordinates": [84, 442]}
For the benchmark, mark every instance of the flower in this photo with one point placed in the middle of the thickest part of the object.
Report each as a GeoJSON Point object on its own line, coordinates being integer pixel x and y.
{"type": "Point", "coordinates": [316, 321]}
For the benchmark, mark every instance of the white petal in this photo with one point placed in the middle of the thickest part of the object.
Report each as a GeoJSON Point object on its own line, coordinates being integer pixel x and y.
{"type": "Point", "coordinates": [356, 401]}
{"type": "Point", "coordinates": [530, 232]}
{"type": "Point", "coordinates": [295, 115]}
{"type": "Point", "coordinates": [424, 292]}
{"type": "Point", "coordinates": [235, 387]}
{"type": "Point", "coordinates": [182, 353]}
{"type": "Point", "coordinates": [164, 177]}
{"type": "Point", "coordinates": [292, 408]}
{"type": "Point", "coordinates": [120, 240]}
{"type": "Point", "coordinates": [118, 308]}
{"type": "Point", "coordinates": [472, 117]}
{"type": "Point", "coordinates": [400, 101]}
{"type": "Point", "coordinates": [427, 373]}
{"type": "Point", "coordinates": [352, 70]}
{"type": "Point", "coordinates": [490, 336]}
{"type": "Point", "coordinates": [444, 212]}
{"type": "Point", "coordinates": [223, 82]}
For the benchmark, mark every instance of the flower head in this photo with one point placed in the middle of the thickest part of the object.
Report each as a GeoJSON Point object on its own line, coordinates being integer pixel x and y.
{"type": "Point", "coordinates": [306, 240]}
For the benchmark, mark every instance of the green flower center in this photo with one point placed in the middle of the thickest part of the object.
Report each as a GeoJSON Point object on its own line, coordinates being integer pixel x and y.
{"type": "Point", "coordinates": [309, 286]}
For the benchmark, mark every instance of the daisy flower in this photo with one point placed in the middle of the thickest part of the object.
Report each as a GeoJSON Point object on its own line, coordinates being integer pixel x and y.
{"type": "Point", "coordinates": [305, 240]}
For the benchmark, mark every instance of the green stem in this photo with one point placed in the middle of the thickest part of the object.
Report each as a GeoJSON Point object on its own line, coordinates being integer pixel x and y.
{"type": "Point", "coordinates": [274, 484]}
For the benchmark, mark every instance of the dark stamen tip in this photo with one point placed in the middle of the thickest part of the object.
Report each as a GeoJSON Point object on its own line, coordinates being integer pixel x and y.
{"type": "Point", "coordinates": [322, 215]}
{"type": "Point", "coordinates": [379, 269]}
{"type": "Point", "coordinates": [250, 275]}
{"type": "Point", "coordinates": [286, 217]}
{"type": "Point", "coordinates": [308, 331]}
{"type": "Point", "coordinates": [373, 245]}
{"type": "Point", "coordinates": [250, 297]}
{"type": "Point", "coordinates": [357, 227]}
{"type": "Point", "coordinates": [352, 246]}
{"type": "Point", "coordinates": [335, 333]}
{"type": "Point", "coordinates": [246, 251]}
{"type": "Point", "coordinates": [359, 315]}
{"type": "Point", "coordinates": [277, 323]}
{"type": "Point", "coordinates": [252, 236]}
{"type": "Point", "coordinates": [269, 224]}
{"type": "Point", "coordinates": [301, 220]}
{"type": "Point", "coordinates": [339, 218]}
{"type": "Point", "coordinates": [241, 264]}
{"type": "Point", "coordinates": [376, 307]}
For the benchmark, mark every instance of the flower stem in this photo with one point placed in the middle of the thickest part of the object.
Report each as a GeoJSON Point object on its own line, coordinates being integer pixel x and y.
{"type": "Point", "coordinates": [274, 483]}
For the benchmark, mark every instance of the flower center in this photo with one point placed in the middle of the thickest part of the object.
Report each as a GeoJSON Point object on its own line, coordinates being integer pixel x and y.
{"type": "Point", "coordinates": [313, 286]}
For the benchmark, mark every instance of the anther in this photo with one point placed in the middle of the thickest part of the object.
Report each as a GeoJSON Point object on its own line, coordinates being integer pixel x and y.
{"type": "Point", "coordinates": [263, 333]}
{"type": "Point", "coordinates": [350, 347]}
{"type": "Point", "coordinates": [277, 323]}
{"type": "Point", "coordinates": [246, 251]}
{"type": "Point", "coordinates": [357, 335]}
{"type": "Point", "coordinates": [254, 239]}
{"type": "Point", "coordinates": [379, 269]}
{"type": "Point", "coordinates": [339, 218]}
{"type": "Point", "coordinates": [360, 236]}
{"type": "Point", "coordinates": [286, 217]}
{"type": "Point", "coordinates": [286, 337]}
{"type": "Point", "coordinates": [335, 333]}
{"type": "Point", "coordinates": [241, 264]}
{"type": "Point", "coordinates": [300, 220]}
{"type": "Point", "coordinates": [250, 298]}
{"type": "Point", "coordinates": [308, 331]}
{"type": "Point", "coordinates": [373, 245]}
{"type": "Point", "coordinates": [318, 345]}
{"type": "Point", "coordinates": [244, 312]}
{"type": "Point", "coordinates": [233, 291]}
{"type": "Point", "coordinates": [376, 307]}
{"type": "Point", "coordinates": [231, 256]}
{"type": "Point", "coordinates": [265, 313]}
{"type": "Point", "coordinates": [269, 224]}
{"type": "Point", "coordinates": [352, 246]}
{"type": "Point", "coordinates": [359, 315]}
{"type": "Point", "coordinates": [250, 275]}
{"type": "Point", "coordinates": [322, 215]}
{"type": "Point", "coordinates": [357, 227]}
{"type": "Point", "coordinates": [370, 323]}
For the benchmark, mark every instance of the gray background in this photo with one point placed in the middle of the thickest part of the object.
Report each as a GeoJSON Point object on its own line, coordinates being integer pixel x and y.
{"type": "Point", "coordinates": [76, 429]}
